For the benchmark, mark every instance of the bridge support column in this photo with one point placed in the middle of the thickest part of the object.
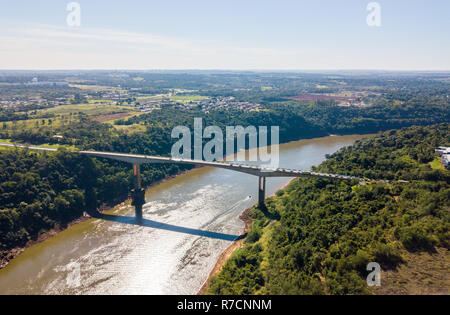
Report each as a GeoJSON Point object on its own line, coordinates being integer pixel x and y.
{"type": "Point", "coordinates": [262, 193]}
{"type": "Point", "coordinates": [137, 194]}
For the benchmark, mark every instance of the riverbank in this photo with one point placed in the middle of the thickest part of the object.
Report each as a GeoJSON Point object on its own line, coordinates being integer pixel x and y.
{"type": "Point", "coordinates": [227, 253]}
{"type": "Point", "coordinates": [204, 199]}
{"type": "Point", "coordinates": [6, 256]}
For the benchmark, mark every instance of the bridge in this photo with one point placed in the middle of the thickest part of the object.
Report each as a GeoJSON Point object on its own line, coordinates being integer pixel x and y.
{"type": "Point", "coordinates": [138, 193]}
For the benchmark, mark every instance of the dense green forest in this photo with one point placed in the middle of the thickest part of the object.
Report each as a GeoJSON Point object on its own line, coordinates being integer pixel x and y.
{"type": "Point", "coordinates": [306, 120]}
{"type": "Point", "coordinates": [40, 191]}
{"type": "Point", "coordinates": [317, 236]}
{"type": "Point", "coordinates": [415, 110]}
{"type": "Point", "coordinates": [46, 181]}
{"type": "Point", "coordinates": [293, 126]}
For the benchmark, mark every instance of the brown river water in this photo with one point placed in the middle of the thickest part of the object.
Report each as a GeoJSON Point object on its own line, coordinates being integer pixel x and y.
{"type": "Point", "coordinates": [188, 222]}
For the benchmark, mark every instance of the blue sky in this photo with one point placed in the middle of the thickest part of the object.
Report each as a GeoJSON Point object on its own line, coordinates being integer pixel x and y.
{"type": "Point", "coordinates": [231, 34]}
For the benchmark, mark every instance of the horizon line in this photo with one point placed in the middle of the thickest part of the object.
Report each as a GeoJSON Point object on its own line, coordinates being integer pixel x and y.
{"type": "Point", "coordinates": [234, 70]}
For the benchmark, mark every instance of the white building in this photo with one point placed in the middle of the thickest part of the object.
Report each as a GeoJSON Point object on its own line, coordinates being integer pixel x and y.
{"type": "Point", "coordinates": [442, 150]}
{"type": "Point", "coordinates": [445, 155]}
{"type": "Point", "coordinates": [446, 160]}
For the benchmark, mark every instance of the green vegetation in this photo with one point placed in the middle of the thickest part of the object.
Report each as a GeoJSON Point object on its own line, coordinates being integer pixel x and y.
{"type": "Point", "coordinates": [60, 116]}
{"type": "Point", "coordinates": [436, 164]}
{"type": "Point", "coordinates": [40, 191]}
{"type": "Point", "coordinates": [292, 125]}
{"type": "Point", "coordinates": [187, 98]}
{"type": "Point", "coordinates": [385, 115]}
{"type": "Point", "coordinates": [317, 236]}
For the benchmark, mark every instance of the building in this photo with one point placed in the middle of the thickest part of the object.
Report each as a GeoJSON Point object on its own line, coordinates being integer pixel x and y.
{"type": "Point", "coordinates": [35, 82]}
{"type": "Point", "coordinates": [444, 152]}
{"type": "Point", "coordinates": [446, 160]}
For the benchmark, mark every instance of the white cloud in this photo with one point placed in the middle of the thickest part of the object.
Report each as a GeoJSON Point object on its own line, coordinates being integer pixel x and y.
{"type": "Point", "coordinates": [51, 47]}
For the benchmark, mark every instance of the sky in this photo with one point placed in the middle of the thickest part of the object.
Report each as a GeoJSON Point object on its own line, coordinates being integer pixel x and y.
{"type": "Point", "coordinates": [225, 34]}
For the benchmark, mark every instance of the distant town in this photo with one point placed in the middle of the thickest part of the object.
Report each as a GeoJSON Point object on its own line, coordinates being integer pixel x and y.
{"type": "Point", "coordinates": [130, 97]}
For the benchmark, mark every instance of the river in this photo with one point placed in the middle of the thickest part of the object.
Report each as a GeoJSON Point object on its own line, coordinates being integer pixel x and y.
{"type": "Point", "coordinates": [188, 222]}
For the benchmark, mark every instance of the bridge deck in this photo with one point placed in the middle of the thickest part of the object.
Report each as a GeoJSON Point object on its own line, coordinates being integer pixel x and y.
{"type": "Point", "coordinates": [248, 169]}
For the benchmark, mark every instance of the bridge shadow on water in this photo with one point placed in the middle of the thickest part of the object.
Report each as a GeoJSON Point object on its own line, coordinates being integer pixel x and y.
{"type": "Point", "coordinates": [169, 227]}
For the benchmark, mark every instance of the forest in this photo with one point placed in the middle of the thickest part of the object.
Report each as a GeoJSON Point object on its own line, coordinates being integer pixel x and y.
{"type": "Point", "coordinates": [39, 191]}
{"type": "Point", "coordinates": [55, 195]}
{"type": "Point", "coordinates": [299, 120]}
{"type": "Point", "coordinates": [317, 236]}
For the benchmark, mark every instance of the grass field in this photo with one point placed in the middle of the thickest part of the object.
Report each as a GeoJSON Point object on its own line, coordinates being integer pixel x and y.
{"type": "Point", "coordinates": [65, 114]}
{"type": "Point", "coordinates": [187, 98]}
{"type": "Point", "coordinates": [422, 273]}
{"type": "Point", "coordinates": [130, 129]}
{"type": "Point", "coordinates": [437, 164]}
{"type": "Point", "coordinates": [45, 145]}
{"type": "Point", "coordinates": [90, 109]}
{"type": "Point", "coordinates": [97, 88]}
{"type": "Point", "coordinates": [174, 98]}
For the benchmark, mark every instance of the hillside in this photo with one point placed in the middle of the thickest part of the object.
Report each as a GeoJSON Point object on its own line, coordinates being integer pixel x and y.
{"type": "Point", "coordinates": [317, 236]}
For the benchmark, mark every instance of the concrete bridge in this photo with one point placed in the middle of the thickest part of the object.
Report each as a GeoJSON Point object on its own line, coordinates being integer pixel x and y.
{"type": "Point", "coordinates": [138, 193]}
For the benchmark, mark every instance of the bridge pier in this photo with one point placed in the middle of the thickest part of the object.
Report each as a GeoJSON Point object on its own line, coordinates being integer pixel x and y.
{"type": "Point", "coordinates": [138, 193]}
{"type": "Point", "coordinates": [262, 193]}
